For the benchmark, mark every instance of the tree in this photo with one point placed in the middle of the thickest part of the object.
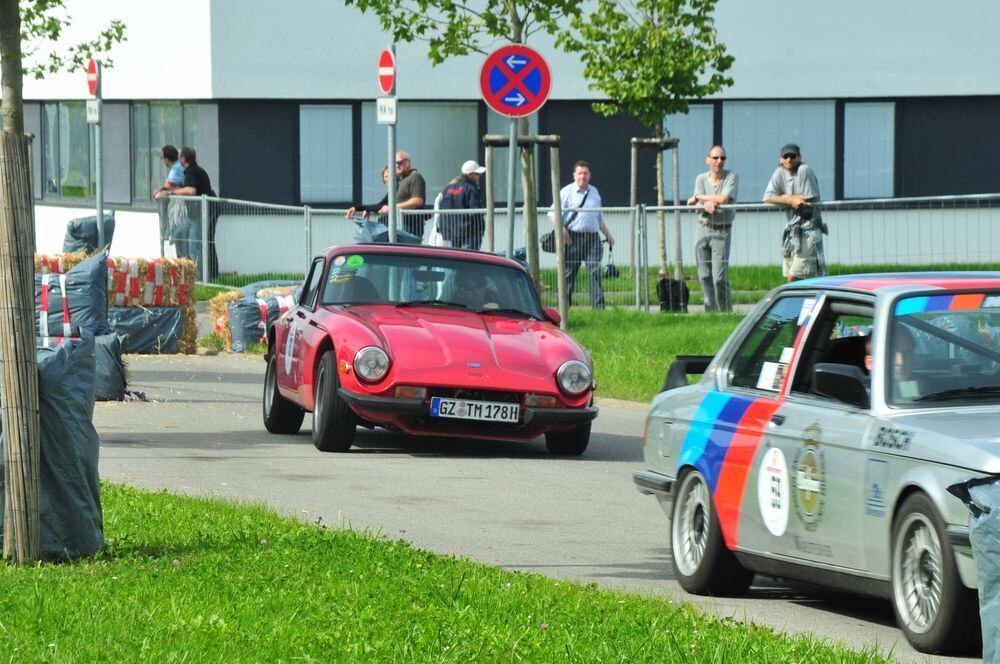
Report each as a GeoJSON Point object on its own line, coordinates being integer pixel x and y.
{"type": "Point", "coordinates": [455, 28]}
{"type": "Point", "coordinates": [649, 57]}
{"type": "Point", "coordinates": [24, 30]}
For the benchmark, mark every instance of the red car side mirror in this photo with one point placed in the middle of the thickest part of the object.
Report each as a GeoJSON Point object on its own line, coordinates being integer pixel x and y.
{"type": "Point", "coordinates": [552, 315]}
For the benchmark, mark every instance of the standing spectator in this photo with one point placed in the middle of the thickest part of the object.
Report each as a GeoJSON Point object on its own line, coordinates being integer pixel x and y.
{"type": "Point", "coordinates": [712, 240]}
{"type": "Point", "coordinates": [187, 238]}
{"type": "Point", "coordinates": [410, 193]}
{"type": "Point", "coordinates": [464, 231]}
{"type": "Point", "coordinates": [582, 233]}
{"type": "Point", "coordinates": [175, 172]}
{"type": "Point", "coordinates": [795, 186]}
{"type": "Point", "coordinates": [365, 210]}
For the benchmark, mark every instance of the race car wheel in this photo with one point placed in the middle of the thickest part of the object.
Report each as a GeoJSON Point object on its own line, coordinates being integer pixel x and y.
{"type": "Point", "coordinates": [280, 414]}
{"type": "Point", "coordinates": [702, 563]}
{"type": "Point", "coordinates": [935, 610]}
{"type": "Point", "coordinates": [333, 421]}
{"type": "Point", "coordinates": [568, 443]}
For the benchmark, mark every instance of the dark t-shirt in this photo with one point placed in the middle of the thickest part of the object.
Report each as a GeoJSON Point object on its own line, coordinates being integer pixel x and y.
{"type": "Point", "coordinates": [411, 186]}
{"type": "Point", "coordinates": [195, 176]}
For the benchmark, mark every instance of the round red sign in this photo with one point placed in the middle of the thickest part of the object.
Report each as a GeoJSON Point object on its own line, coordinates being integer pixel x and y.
{"type": "Point", "coordinates": [387, 72]}
{"type": "Point", "coordinates": [515, 80]}
{"type": "Point", "coordinates": [92, 78]}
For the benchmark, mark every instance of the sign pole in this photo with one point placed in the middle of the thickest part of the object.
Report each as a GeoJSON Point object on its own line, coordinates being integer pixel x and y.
{"type": "Point", "coordinates": [511, 175]}
{"type": "Point", "coordinates": [391, 126]}
{"type": "Point", "coordinates": [94, 85]}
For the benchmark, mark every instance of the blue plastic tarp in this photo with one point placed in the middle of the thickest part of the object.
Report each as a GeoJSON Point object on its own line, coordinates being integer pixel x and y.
{"type": "Point", "coordinates": [148, 330]}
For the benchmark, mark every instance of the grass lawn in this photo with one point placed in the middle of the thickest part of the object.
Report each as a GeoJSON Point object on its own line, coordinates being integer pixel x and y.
{"type": "Point", "coordinates": [192, 580]}
{"type": "Point", "coordinates": [632, 350]}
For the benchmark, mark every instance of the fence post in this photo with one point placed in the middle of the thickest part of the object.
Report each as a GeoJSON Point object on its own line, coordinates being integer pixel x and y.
{"type": "Point", "coordinates": [635, 238]}
{"type": "Point", "coordinates": [308, 220]}
{"type": "Point", "coordinates": [205, 250]}
{"type": "Point", "coordinates": [644, 224]}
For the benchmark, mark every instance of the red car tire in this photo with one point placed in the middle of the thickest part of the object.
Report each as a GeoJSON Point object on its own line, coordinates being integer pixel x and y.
{"type": "Point", "coordinates": [280, 414]}
{"type": "Point", "coordinates": [334, 423]}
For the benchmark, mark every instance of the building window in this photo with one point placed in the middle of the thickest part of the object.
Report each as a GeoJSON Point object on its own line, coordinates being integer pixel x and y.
{"type": "Point", "coordinates": [499, 124]}
{"type": "Point", "coordinates": [694, 132]}
{"type": "Point", "coordinates": [66, 138]}
{"type": "Point", "coordinates": [754, 131]}
{"type": "Point", "coordinates": [869, 145]}
{"type": "Point", "coordinates": [326, 157]}
{"type": "Point", "coordinates": [439, 137]}
{"type": "Point", "coordinates": [159, 123]}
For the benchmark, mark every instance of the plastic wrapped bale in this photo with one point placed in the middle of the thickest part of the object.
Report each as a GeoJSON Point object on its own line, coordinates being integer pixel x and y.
{"type": "Point", "coordinates": [373, 231]}
{"type": "Point", "coordinates": [58, 263]}
{"type": "Point", "coordinates": [982, 496]}
{"type": "Point", "coordinates": [81, 234]}
{"type": "Point", "coordinates": [72, 523]}
{"type": "Point", "coordinates": [255, 289]}
{"type": "Point", "coordinates": [250, 318]}
{"type": "Point", "coordinates": [147, 330]}
{"type": "Point", "coordinates": [75, 303]}
{"type": "Point", "coordinates": [110, 382]}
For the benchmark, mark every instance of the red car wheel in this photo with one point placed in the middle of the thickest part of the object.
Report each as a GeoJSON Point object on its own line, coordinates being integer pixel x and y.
{"type": "Point", "coordinates": [280, 414]}
{"type": "Point", "coordinates": [334, 422]}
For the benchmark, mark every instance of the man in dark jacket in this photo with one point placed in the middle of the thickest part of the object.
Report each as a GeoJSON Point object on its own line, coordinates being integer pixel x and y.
{"type": "Point", "coordinates": [464, 231]}
{"type": "Point", "coordinates": [187, 238]}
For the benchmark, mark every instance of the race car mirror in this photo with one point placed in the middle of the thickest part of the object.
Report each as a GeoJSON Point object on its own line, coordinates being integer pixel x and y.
{"type": "Point", "coordinates": [844, 382]}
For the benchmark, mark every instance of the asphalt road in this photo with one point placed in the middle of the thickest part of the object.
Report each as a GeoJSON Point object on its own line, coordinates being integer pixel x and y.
{"type": "Point", "coordinates": [505, 504]}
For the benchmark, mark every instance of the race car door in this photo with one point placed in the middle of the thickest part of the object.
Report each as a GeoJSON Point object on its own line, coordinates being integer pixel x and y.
{"type": "Point", "coordinates": [289, 341]}
{"type": "Point", "coordinates": [822, 438]}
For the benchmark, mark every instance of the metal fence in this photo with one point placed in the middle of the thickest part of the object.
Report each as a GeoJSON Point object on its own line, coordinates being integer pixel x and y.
{"type": "Point", "coordinates": [253, 241]}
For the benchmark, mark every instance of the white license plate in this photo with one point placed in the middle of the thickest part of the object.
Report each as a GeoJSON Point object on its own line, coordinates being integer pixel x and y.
{"type": "Point", "coordinates": [490, 411]}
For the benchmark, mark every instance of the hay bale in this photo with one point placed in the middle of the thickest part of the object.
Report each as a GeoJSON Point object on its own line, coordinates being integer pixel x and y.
{"type": "Point", "coordinates": [218, 311]}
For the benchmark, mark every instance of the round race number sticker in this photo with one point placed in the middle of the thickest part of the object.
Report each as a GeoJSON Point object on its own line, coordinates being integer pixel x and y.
{"type": "Point", "coordinates": [772, 491]}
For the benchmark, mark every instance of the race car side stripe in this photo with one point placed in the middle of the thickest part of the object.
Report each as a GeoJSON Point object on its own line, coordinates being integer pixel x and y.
{"type": "Point", "coordinates": [701, 428]}
{"type": "Point", "coordinates": [911, 305]}
{"type": "Point", "coordinates": [736, 467]}
{"type": "Point", "coordinates": [968, 301]}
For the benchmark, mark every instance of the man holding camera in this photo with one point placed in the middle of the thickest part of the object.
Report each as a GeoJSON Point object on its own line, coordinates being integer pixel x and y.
{"type": "Point", "coordinates": [795, 186]}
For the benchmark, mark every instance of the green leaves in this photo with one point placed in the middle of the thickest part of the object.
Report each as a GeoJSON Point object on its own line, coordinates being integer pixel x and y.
{"type": "Point", "coordinates": [649, 57]}
{"type": "Point", "coordinates": [453, 28]}
{"type": "Point", "coordinates": [42, 23]}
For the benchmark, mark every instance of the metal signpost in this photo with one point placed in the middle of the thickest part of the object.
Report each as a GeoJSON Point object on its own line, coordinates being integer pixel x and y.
{"type": "Point", "coordinates": [386, 114]}
{"type": "Point", "coordinates": [94, 118]}
{"type": "Point", "coordinates": [515, 82]}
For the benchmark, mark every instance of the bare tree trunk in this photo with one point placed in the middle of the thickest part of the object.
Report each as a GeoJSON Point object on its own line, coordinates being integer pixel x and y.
{"type": "Point", "coordinates": [530, 208]}
{"type": "Point", "coordinates": [661, 220]}
{"type": "Point", "coordinates": [18, 363]}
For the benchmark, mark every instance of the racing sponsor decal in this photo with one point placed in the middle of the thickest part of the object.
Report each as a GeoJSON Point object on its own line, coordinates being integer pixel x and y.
{"type": "Point", "coordinates": [772, 491]}
{"type": "Point", "coordinates": [810, 480]}
{"type": "Point", "coordinates": [772, 374]}
{"type": "Point", "coordinates": [355, 261]}
{"type": "Point", "coordinates": [722, 444]}
{"type": "Point", "coordinates": [876, 477]}
{"type": "Point", "coordinates": [892, 438]}
{"type": "Point", "coordinates": [289, 345]}
{"type": "Point", "coordinates": [813, 548]}
{"type": "Point", "coordinates": [339, 260]}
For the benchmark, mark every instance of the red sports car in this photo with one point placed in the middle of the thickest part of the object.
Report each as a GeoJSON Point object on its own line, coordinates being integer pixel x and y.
{"type": "Point", "coordinates": [428, 341]}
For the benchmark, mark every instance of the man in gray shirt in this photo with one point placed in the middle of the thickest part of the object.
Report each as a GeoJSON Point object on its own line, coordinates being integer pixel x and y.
{"type": "Point", "coordinates": [795, 186]}
{"type": "Point", "coordinates": [712, 239]}
{"type": "Point", "coordinates": [410, 194]}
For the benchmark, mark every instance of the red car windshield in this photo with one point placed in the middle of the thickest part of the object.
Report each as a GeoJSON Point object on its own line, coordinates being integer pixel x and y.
{"type": "Point", "coordinates": [368, 278]}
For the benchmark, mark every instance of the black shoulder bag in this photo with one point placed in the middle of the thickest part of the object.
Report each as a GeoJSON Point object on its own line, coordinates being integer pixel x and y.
{"type": "Point", "coordinates": [548, 241]}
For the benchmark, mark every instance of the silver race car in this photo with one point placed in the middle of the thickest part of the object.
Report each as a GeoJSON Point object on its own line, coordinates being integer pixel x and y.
{"type": "Point", "coordinates": [821, 440]}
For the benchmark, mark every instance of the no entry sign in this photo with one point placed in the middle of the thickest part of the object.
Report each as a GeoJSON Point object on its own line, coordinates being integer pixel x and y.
{"type": "Point", "coordinates": [93, 78]}
{"type": "Point", "coordinates": [515, 80]}
{"type": "Point", "coordinates": [387, 72]}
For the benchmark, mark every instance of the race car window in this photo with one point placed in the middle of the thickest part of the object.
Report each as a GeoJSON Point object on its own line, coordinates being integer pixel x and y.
{"type": "Point", "coordinates": [841, 334]}
{"type": "Point", "coordinates": [944, 348]}
{"type": "Point", "coordinates": [312, 284]}
{"type": "Point", "coordinates": [763, 358]}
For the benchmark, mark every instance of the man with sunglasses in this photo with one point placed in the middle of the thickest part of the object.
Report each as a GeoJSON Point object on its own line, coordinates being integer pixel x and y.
{"type": "Point", "coordinates": [795, 186]}
{"type": "Point", "coordinates": [712, 239]}
{"type": "Point", "coordinates": [411, 190]}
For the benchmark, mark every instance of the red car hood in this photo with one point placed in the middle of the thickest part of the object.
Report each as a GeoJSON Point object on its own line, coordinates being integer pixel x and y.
{"type": "Point", "coordinates": [430, 340]}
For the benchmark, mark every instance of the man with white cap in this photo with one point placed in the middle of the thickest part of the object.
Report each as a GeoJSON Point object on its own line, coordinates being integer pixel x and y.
{"type": "Point", "coordinates": [464, 231]}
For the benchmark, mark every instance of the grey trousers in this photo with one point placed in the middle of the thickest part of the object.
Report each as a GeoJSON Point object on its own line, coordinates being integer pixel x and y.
{"type": "Point", "coordinates": [586, 248]}
{"type": "Point", "coordinates": [711, 252]}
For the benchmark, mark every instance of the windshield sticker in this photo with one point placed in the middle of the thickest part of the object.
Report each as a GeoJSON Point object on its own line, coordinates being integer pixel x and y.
{"type": "Point", "coordinates": [876, 478]}
{"type": "Point", "coordinates": [991, 302]}
{"type": "Point", "coordinates": [355, 261]}
{"type": "Point", "coordinates": [339, 260]}
{"type": "Point", "coordinates": [807, 307]}
{"type": "Point", "coordinates": [932, 303]}
{"type": "Point", "coordinates": [891, 438]}
{"type": "Point", "coordinates": [786, 355]}
{"type": "Point", "coordinates": [772, 491]}
{"type": "Point", "coordinates": [771, 376]}
{"type": "Point", "coordinates": [810, 482]}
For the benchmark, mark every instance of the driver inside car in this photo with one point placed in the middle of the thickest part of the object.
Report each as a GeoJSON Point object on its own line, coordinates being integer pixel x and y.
{"type": "Point", "coordinates": [473, 290]}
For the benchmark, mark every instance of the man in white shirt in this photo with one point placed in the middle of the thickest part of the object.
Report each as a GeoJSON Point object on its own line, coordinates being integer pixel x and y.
{"type": "Point", "coordinates": [582, 231]}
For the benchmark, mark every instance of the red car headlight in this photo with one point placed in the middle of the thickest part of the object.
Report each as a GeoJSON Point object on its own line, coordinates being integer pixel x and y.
{"type": "Point", "coordinates": [371, 364]}
{"type": "Point", "coordinates": [574, 377]}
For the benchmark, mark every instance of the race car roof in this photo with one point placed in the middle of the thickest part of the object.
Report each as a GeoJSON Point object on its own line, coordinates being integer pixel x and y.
{"type": "Point", "coordinates": [904, 281]}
